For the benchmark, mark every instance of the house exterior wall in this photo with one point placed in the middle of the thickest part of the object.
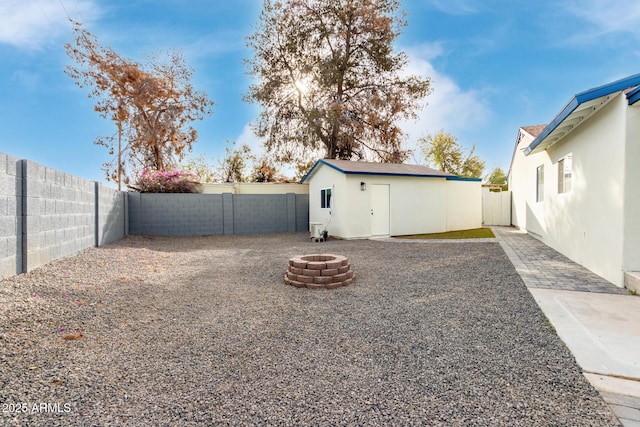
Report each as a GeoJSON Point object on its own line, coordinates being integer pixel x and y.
{"type": "Point", "coordinates": [325, 177]}
{"type": "Point", "coordinates": [355, 206]}
{"type": "Point", "coordinates": [587, 223]}
{"type": "Point", "coordinates": [522, 182]}
{"type": "Point", "coordinates": [631, 233]}
{"type": "Point", "coordinates": [464, 205]}
{"type": "Point", "coordinates": [416, 204]}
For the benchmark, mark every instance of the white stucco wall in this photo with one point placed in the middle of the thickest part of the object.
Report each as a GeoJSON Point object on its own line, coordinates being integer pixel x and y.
{"type": "Point", "coordinates": [585, 224]}
{"type": "Point", "coordinates": [464, 205]}
{"type": "Point", "coordinates": [416, 204]}
{"type": "Point", "coordinates": [522, 177]}
{"type": "Point", "coordinates": [631, 249]}
{"type": "Point", "coordinates": [326, 177]}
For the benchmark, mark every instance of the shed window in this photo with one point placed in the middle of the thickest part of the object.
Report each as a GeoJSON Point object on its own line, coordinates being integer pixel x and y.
{"type": "Point", "coordinates": [325, 198]}
{"type": "Point", "coordinates": [564, 174]}
{"type": "Point", "coordinates": [540, 183]}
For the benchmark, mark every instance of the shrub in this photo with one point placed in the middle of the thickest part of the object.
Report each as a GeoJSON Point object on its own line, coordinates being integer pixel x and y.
{"type": "Point", "coordinates": [174, 181]}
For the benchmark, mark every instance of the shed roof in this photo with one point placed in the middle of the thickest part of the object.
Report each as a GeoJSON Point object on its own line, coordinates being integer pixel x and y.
{"type": "Point", "coordinates": [581, 107]}
{"type": "Point", "coordinates": [391, 169]}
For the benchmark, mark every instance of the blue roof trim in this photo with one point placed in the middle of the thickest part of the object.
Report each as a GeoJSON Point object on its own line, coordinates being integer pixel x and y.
{"type": "Point", "coordinates": [634, 96]}
{"type": "Point", "coordinates": [308, 174]}
{"type": "Point", "coordinates": [581, 98]}
{"type": "Point", "coordinates": [462, 178]}
{"type": "Point", "coordinates": [321, 161]}
{"type": "Point", "coordinates": [396, 174]}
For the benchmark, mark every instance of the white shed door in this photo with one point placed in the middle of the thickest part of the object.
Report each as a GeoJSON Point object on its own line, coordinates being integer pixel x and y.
{"type": "Point", "coordinates": [380, 210]}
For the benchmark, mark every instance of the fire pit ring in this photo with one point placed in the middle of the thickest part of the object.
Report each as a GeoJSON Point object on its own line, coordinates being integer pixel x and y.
{"type": "Point", "coordinates": [319, 271]}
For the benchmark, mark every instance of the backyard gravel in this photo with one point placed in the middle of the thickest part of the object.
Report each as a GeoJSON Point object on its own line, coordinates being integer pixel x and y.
{"type": "Point", "coordinates": [203, 331]}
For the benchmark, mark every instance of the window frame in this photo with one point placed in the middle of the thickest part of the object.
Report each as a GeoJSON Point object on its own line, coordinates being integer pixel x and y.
{"type": "Point", "coordinates": [325, 198]}
{"type": "Point", "coordinates": [540, 184]}
{"type": "Point", "coordinates": [565, 174]}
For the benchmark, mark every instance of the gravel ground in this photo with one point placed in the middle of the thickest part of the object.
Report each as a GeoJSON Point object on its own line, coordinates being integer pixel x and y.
{"type": "Point", "coordinates": [203, 331]}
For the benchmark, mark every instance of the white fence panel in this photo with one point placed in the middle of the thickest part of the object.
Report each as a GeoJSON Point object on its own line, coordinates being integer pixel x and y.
{"type": "Point", "coordinates": [496, 208]}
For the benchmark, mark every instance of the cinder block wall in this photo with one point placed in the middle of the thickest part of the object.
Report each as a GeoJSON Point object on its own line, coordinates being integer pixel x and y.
{"type": "Point", "coordinates": [111, 224]}
{"type": "Point", "coordinates": [10, 216]}
{"type": "Point", "coordinates": [214, 214]}
{"type": "Point", "coordinates": [60, 214]}
{"type": "Point", "coordinates": [175, 214]}
{"type": "Point", "coordinates": [46, 214]}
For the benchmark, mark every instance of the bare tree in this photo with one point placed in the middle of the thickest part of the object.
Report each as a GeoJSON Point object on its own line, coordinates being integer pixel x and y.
{"type": "Point", "coordinates": [151, 106]}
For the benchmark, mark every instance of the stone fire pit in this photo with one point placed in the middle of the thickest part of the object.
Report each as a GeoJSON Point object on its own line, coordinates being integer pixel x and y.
{"type": "Point", "coordinates": [319, 271]}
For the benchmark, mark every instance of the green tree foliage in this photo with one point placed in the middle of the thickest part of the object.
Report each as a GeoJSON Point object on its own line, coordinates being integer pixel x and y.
{"type": "Point", "coordinates": [329, 81]}
{"type": "Point", "coordinates": [498, 177]}
{"type": "Point", "coordinates": [201, 167]}
{"type": "Point", "coordinates": [151, 105]}
{"type": "Point", "coordinates": [236, 163]}
{"type": "Point", "coordinates": [234, 167]}
{"type": "Point", "coordinates": [443, 151]}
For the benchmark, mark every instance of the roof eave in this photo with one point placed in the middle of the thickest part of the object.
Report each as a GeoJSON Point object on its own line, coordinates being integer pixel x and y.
{"type": "Point", "coordinates": [346, 172]}
{"type": "Point", "coordinates": [633, 96]}
{"type": "Point", "coordinates": [579, 99]}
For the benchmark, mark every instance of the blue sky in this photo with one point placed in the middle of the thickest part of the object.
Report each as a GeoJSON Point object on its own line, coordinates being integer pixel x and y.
{"type": "Point", "coordinates": [496, 65]}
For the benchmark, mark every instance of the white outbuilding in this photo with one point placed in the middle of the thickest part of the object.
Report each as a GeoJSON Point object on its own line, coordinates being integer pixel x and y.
{"type": "Point", "coordinates": [356, 200]}
{"type": "Point", "coordinates": [576, 182]}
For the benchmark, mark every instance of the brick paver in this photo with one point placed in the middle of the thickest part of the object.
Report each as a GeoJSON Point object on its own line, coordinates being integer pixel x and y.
{"type": "Point", "coordinates": [543, 267]}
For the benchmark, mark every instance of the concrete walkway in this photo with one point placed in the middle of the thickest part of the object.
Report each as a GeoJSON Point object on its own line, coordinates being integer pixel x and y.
{"type": "Point", "coordinates": [599, 322]}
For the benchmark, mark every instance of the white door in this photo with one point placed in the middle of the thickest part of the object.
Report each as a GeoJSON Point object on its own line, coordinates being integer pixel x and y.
{"type": "Point", "coordinates": [380, 210]}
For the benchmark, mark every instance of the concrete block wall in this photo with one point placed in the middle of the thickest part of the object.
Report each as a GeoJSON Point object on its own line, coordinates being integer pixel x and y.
{"type": "Point", "coordinates": [175, 214]}
{"type": "Point", "coordinates": [254, 213]}
{"type": "Point", "coordinates": [214, 214]}
{"type": "Point", "coordinates": [46, 214]}
{"type": "Point", "coordinates": [111, 223]}
{"type": "Point", "coordinates": [10, 216]}
{"type": "Point", "coordinates": [58, 214]}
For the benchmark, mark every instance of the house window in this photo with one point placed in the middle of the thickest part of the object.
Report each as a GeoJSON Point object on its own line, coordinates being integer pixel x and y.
{"type": "Point", "coordinates": [564, 174]}
{"type": "Point", "coordinates": [325, 198]}
{"type": "Point", "coordinates": [540, 183]}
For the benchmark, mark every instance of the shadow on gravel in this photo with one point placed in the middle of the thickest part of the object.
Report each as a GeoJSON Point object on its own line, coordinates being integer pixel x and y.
{"type": "Point", "coordinates": [207, 333]}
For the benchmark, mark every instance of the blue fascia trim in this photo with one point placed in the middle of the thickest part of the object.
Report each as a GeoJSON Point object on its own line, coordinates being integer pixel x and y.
{"type": "Point", "coordinates": [462, 178]}
{"type": "Point", "coordinates": [448, 178]}
{"type": "Point", "coordinates": [308, 174]}
{"type": "Point", "coordinates": [634, 96]}
{"type": "Point", "coordinates": [396, 174]}
{"type": "Point", "coordinates": [581, 98]}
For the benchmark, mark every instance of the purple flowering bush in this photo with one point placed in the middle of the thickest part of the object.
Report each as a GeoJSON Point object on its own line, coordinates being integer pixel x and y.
{"type": "Point", "coordinates": [173, 181]}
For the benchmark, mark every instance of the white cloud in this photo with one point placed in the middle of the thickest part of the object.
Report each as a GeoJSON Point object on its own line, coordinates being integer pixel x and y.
{"type": "Point", "coordinates": [30, 24]}
{"type": "Point", "coordinates": [456, 7]}
{"type": "Point", "coordinates": [449, 107]}
{"type": "Point", "coordinates": [607, 16]}
{"type": "Point", "coordinates": [249, 138]}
